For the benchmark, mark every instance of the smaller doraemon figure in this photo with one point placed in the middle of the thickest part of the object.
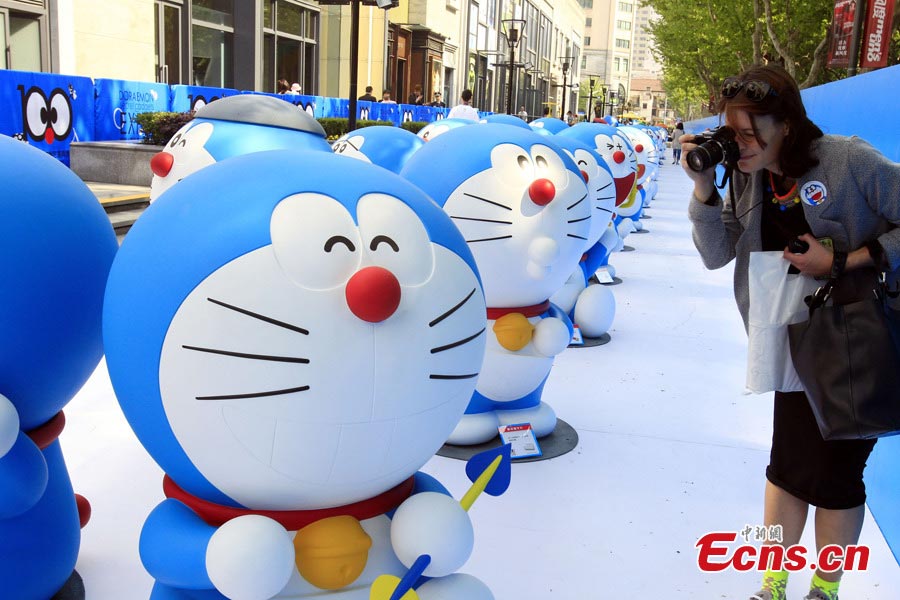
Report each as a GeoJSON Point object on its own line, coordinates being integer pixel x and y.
{"type": "Point", "coordinates": [648, 166]}
{"type": "Point", "coordinates": [595, 306]}
{"type": "Point", "coordinates": [432, 130]}
{"type": "Point", "coordinates": [291, 363]}
{"type": "Point", "coordinates": [56, 248]}
{"type": "Point", "coordinates": [383, 145]}
{"type": "Point", "coordinates": [550, 125]}
{"type": "Point", "coordinates": [524, 210]}
{"type": "Point", "coordinates": [231, 126]}
{"type": "Point", "coordinates": [500, 118]}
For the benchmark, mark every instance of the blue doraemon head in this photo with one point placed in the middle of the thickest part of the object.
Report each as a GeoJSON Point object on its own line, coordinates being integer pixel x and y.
{"type": "Point", "coordinates": [382, 145]}
{"type": "Point", "coordinates": [310, 348]}
{"type": "Point", "coordinates": [432, 130]}
{"type": "Point", "coordinates": [502, 119]}
{"type": "Point", "coordinates": [519, 201]}
{"type": "Point", "coordinates": [616, 150]}
{"type": "Point", "coordinates": [232, 126]}
{"type": "Point", "coordinates": [549, 125]}
{"type": "Point", "coordinates": [56, 247]}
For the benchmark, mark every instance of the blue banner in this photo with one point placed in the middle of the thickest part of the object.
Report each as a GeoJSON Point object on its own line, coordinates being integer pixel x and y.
{"type": "Point", "coordinates": [118, 102]}
{"type": "Point", "coordinates": [46, 110]}
{"type": "Point", "coordinates": [188, 98]}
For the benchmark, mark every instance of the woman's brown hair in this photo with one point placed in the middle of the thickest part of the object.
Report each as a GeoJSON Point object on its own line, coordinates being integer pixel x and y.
{"type": "Point", "coordinates": [785, 105]}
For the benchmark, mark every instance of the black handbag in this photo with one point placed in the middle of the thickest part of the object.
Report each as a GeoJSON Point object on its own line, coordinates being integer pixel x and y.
{"type": "Point", "coordinates": [848, 358]}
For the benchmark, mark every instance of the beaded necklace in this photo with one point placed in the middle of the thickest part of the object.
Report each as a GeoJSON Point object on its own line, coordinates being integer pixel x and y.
{"type": "Point", "coordinates": [785, 201]}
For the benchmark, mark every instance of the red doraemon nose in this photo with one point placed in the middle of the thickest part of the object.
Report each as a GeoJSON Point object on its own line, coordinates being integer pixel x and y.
{"type": "Point", "coordinates": [584, 175]}
{"type": "Point", "coordinates": [373, 294]}
{"type": "Point", "coordinates": [49, 136]}
{"type": "Point", "coordinates": [619, 156]}
{"type": "Point", "coordinates": [161, 164]}
{"type": "Point", "coordinates": [542, 192]}
{"type": "Point", "coordinates": [639, 148]}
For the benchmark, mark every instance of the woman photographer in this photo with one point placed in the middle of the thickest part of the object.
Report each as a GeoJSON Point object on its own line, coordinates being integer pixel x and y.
{"type": "Point", "coordinates": [790, 182]}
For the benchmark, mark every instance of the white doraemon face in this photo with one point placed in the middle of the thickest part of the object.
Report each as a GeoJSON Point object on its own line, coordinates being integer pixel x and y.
{"type": "Point", "coordinates": [645, 151]}
{"type": "Point", "coordinates": [329, 366]}
{"type": "Point", "coordinates": [620, 158]}
{"type": "Point", "coordinates": [526, 219]}
{"type": "Point", "coordinates": [184, 154]}
{"type": "Point", "coordinates": [602, 188]}
{"type": "Point", "coordinates": [351, 146]}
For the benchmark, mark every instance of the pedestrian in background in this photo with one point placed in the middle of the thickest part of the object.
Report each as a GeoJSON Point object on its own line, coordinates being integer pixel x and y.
{"type": "Point", "coordinates": [676, 142]}
{"type": "Point", "coordinates": [464, 110]}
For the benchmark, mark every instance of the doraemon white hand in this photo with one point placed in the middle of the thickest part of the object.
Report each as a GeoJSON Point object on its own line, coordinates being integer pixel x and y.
{"type": "Point", "coordinates": [9, 425]}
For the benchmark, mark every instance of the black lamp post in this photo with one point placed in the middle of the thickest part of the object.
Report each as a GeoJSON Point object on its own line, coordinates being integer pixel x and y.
{"type": "Point", "coordinates": [565, 69]}
{"type": "Point", "coordinates": [590, 104]}
{"type": "Point", "coordinates": [354, 46]}
{"type": "Point", "coordinates": [512, 40]}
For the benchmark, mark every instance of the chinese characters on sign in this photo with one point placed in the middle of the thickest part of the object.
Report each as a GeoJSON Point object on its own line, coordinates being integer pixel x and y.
{"type": "Point", "coordinates": [877, 36]}
{"type": "Point", "coordinates": [841, 33]}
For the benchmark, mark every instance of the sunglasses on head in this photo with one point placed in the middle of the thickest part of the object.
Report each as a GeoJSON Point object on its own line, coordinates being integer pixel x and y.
{"type": "Point", "coordinates": [757, 91]}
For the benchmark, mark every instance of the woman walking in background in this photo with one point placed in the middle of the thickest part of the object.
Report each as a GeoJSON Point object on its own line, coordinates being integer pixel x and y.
{"type": "Point", "coordinates": [676, 142]}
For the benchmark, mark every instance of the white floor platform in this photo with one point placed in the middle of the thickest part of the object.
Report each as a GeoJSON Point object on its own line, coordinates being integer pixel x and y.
{"type": "Point", "coordinates": [670, 449]}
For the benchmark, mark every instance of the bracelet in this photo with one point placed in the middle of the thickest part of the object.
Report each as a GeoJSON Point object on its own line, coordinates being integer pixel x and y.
{"type": "Point", "coordinates": [838, 262]}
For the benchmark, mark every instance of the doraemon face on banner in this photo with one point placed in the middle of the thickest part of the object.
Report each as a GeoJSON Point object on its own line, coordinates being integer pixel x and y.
{"type": "Point", "coordinates": [615, 149]}
{"type": "Point", "coordinates": [520, 203]}
{"type": "Point", "coordinates": [235, 125]}
{"type": "Point", "coordinates": [383, 145]}
{"type": "Point", "coordinates": [47, 111]}
{"type": "Point", "coordinates": [311, 348]}
{"type": "Point", "coordinates": [599, 180]}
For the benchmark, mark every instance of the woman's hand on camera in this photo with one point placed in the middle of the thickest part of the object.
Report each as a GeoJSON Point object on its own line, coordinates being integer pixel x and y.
{"type": "Point", "coordinates": [815, 262]}
{"type": "Point", "coordinates": [704, 181]}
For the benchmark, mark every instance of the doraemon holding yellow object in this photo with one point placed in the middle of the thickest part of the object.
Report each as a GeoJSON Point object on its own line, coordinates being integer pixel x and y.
{"type": "Point", "coordinates": [56, 248]}
{"type": "Point", "coordinates": [524, 210]}
{"type": "Point", "coordinates": [290, 363]}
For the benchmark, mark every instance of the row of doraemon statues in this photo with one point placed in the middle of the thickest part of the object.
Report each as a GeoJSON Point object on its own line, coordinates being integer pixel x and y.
{"type": "Point", "coordinates": [276, 307]}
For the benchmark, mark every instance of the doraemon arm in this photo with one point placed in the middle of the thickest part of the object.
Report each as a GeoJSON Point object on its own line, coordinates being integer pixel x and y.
{"type": "Point", "coordinates": [180, 550]}
{"type": "Point", "coordinates": [594, 258]}
{"type": "Point", "coordinates": [553, 333]}
{"type": "Point", "coordinates": [23, 470]}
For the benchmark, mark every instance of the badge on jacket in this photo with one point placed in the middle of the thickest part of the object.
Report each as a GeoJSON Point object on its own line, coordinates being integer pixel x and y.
{"type": "Point", "coordinates": [814, 193]}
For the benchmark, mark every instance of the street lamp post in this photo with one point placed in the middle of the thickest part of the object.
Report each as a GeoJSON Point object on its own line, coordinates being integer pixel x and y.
{"type": "Point", "coordinates": [512, 40]}
{"type": "Point", "coordinates": [590, 105]}
{"type": "Point", "coordinates": [565, 70]}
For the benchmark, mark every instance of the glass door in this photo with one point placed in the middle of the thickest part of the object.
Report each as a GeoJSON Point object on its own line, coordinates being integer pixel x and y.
{"type": "Point", "coordinates": [167, 26]}
{"type": "Point", "coordinates": [4, 40]}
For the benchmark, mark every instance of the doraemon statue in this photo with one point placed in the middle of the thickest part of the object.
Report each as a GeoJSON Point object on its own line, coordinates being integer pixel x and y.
{"type": "Point", "coordinates": [502, 119]}
{"type": "Point", "coordinates": [290, 363]}
{"type": "Point", "coordinates": [383, 145]}
{"type": "Point", "coordinates": [550, 125]}
{"type": "Point", "coordinates": [648, 165]}
{"type": "Point", "coordinates": [231, 126]}
{"type": "Point", "coordinates": [56, 248]}
{"type": "Point", "coordinates": [524, 210]}
{"type": "Point", "coordinates": [432, 130]}
{"type": "Point", "coordinates": [595, 305]}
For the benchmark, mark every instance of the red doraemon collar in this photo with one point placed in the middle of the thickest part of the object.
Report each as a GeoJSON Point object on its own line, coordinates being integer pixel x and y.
{"type": "Point", "coordinates": [529, 311]}
{"type": "Point", "coordinates": [292, 520]}
{"type": "Point", "coordinates": [47, 433]}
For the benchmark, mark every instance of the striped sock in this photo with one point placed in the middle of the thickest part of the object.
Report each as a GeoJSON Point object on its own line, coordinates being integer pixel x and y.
{"type": "Point", "coordinates": [827, 590]}
{"type": "Point", "coordinates": [776, 583]}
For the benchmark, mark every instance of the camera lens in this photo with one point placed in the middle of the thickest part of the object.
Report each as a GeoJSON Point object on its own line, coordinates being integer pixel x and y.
{"type": "Point", "coordinates": [704, 156]}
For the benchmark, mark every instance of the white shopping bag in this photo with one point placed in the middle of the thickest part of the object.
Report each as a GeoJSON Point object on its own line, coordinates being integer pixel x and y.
{"type": "Point", "coordinates": [776, 301]}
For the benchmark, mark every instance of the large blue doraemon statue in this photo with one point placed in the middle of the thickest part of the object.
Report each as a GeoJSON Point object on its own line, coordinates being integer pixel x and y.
{"type": "Point", "coordinates": [290, 363]}
{"type": "Point", "coordinates": [232, 126]}
{"type": "Point", "coordinates": [524, 210]}
{"type": "Point", "coordinates": [383, 145]}
{"type": "Point", "coordinates": [56, 248]}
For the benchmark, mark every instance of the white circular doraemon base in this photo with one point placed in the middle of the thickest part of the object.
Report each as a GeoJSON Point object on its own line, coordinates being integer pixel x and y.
{"type": "Point", "coordinates": [642, 231]}
{"type": "Point", "coordinates": [627, 248]}
{"type": "Point", "coordinates": [590, 342]}
{"type": "Point", "coordinates": [72, 590]}
{"type": "Point", "coordinates": [560, 441]}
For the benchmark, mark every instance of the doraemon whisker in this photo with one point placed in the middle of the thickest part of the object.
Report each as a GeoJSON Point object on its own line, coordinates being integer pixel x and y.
{"type": "Point", "coordinates": [244, 311]}
{"type": "Point", "coordinates": [290, 359]}
{"type": "Point", "coordinates": [452, 310]}
{"type": "Point", "coordinates": [572, 235]}
{"type": "Point", "coordinates": [502, 237]}
{"type": "Point", "coordinates": [577, 203]}
{"type": "Point", "coordinates": [482, 220]}
{"type": "Point", "coordinates": [579, 220]}
{"type": "Point", "coordinates": [458, 342]}
{"type": "Point", "coordinates": [603, 209]}
{"type": "Point", "coordinates": [605, 186]}
{"type": "Point", "coordinates": [256, 394]}
{"type": "Point", "coordinates": [605, 197]}
{"type": "Point", "coordinates": [486, 200]}
{"type": "Point", "coordinates": [469, 376]}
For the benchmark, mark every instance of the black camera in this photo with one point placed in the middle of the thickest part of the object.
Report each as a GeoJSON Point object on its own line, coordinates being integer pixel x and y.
{"type": "Point", "coordinates": [714, 147]}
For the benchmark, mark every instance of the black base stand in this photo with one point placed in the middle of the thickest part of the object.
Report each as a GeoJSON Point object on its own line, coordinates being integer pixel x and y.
{"type": "Point", "coordinates": [627, 248]}
{"type": "Point", "coordinates": [72, 590]}
{"type": "Point", "coordinates": [561, 440]}
{"type": "Point", "coordinates": [590, 342]}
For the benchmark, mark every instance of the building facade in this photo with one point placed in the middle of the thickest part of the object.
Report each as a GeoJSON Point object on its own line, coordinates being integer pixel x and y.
{"type": "Point", "coordinates": [609, 39]}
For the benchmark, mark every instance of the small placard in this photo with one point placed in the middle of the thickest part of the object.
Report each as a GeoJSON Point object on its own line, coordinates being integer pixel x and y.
{"type": "Point", "coordinates": [577, 340]}
{"type": "Point", "coordinates": [603, 276]}
{"type": "Point", "coordinates": [520, 437]}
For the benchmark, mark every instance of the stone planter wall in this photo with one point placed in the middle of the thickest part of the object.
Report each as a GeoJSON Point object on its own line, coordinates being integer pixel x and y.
{"type": "Point", "coordinates": [125, 163]}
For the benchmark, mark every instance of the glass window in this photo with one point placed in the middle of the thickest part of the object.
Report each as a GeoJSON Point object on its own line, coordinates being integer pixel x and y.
{"type": "Point", "coordinates": [624, 25]}
{"type": "Point", "coordinates": [587, 40]}
{"type": "Point", "coordinates": [216, 12]}
{"type": "Point", "coordinates": [3, 44]}
{"type": "Point", "coordinates": [289, 18]}
{"type": "Point", "coordinates": [24, 43]}
{"type": "Point", "coordinates": [212, 60]}
{"type": "Point", "coordinates": [620, 43]}
{"type": "Point", "coordinates": [588, 22]}
{"type": "Point", "coordinates": [625, 7]}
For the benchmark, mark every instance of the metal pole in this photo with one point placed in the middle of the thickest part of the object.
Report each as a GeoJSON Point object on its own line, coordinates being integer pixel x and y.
{"type": "Point", "coordinates": [509, 75]}
{"type": "Point", "coordinates": [855, 36]}
{"type": "Point", "coordinates": [354, 62]}
{"type": "Point", "coordinates": [562, 112]}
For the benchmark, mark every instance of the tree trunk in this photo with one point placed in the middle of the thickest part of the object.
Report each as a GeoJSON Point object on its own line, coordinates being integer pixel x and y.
{"type": "Point", "coordinates": [757, 33]}
{"type": "Point", "coordinates": [782, 50]}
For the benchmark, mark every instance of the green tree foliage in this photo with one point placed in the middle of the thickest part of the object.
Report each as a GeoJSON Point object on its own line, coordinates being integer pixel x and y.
{"type": "Point", "coordinates": [701, 43]}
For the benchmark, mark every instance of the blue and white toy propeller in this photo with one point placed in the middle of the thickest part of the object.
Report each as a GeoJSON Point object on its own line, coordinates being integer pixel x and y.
{"type": "Point", "coordinates": [525, 211]}
{"type": "Point", "coordinates": [290, 363]}
{"type": "Point", "coordinates": [56, 248]}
